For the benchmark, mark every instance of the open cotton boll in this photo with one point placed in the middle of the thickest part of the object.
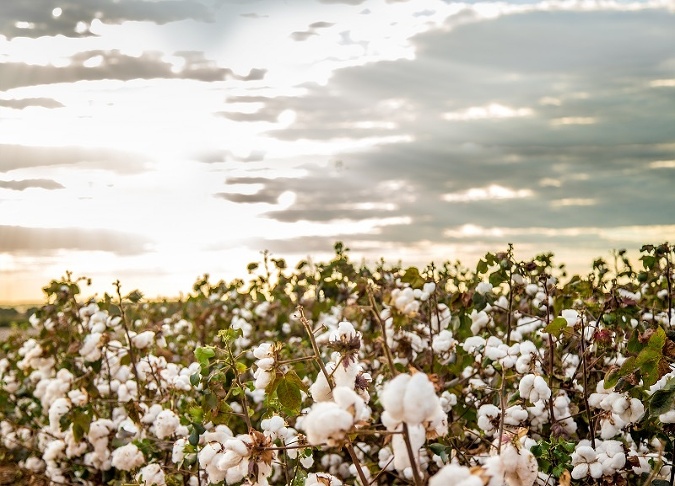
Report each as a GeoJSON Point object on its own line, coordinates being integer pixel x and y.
{"type": "Point", "coordinates": [392, 394]}
{"type": "Point", "coordinates": [165, 424]}
{"type": "Point", "coordinates": [455, 475]}
{"type": "Point", "coordinates": [443, 342]}
{"type": "Point", "coordinates": [349, 400]}
{"type": "Point", "coordinates": [400, 449]}
{"type": "Point", "coordinates": [534, 388]}
{"type": "Point", "coordinates": [127, 458]}
{"type": "Point", "coordinates": [519, 465]}
{"type": "Point", "coordinates": [178, 451]}
{"type": "Point", "coordinates": [58, 409]}
{"type": "Point", "coordinates": [487, 415]}
{"type": "Point", "coordinates": [571, 316]}
{"type": "Point", "coordinates": [91, 350]}
{"type": "Point", "coordinates": [478, 321]}
{"type": "Point", "coordinates": [326, 423]}
{"type": "Point", "coordinates": [151, 474]}
{"type": "Point", "coordinates": [484, 288]}
{"type": "Point", "coordinates": [320, 390]}
{"type": "Point", "coordinates": [585, 461]}
{"type": "Point", "coordinates": [143, 340]}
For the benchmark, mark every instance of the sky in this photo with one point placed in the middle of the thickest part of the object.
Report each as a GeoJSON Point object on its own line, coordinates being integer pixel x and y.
{"type": "Point", "coordinates": [154, 141]}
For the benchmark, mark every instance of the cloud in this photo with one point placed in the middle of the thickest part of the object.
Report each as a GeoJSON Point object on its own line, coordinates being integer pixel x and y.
{"type": "Point", "coordinates": [20, 240]}
{"type": "Point", "coordinates": [547, 124]}
{"type": "Point", "coordinates": [303, 35]}
{"type": "Point", "coordinates": [21, 185]}
{"type": "Point", "coordinates": [71, 18]}
{"type": "Point", "coordinates": [20, 104]}
{"type": "Point", "coordinates": [98, 65]}
{"type": "Point", "coordinates": [20, 156]}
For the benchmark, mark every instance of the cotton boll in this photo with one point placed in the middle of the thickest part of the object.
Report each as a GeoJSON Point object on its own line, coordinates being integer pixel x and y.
{"type": "Point", "coordinates": [420, 400]}
{"type": "Point", "coordinates": [612, 456]}
{"type": "Point", "coordinates": [327, 423]}
{"type": "Point", "coordinates": [484, 288]}
{"type": "Point", "coordinates": [571, 316]}
{"type": "Point", "coordinates": [320, 390]}
{"type": "Point", "coordinates": [59, 408]}
{"type": "Point", "coordinates": [165, 424]}
{"type": "Point", "coordinates": [455, 475]}
{"type": "Point", "coordinates": [515, 415]}
{"type": "Point", "coordinates": [585, 461]}
{"type": "Point", "coordinates": [443, 342]}
{"type": "Point", "coordinates": [152, 474]}
{"type": "Point", "coordinates": [534, 388]}
{"type": "Point", "coordinates": [349, 400]}
{"type": "Point", "coordinates": [487, 415]}
{"type": "Point", "coordinates": [143, 340]}
{"type": "Point", "coordinates": [178, 451]}
{"type": "Point", "coordinates": [54, 450]}
{"type": "Point", "coordinates": [520, 465]}
{"type": "Point", "coordinates": [208, 458]}
{"type": "Point", "coordinates": [399, 448]}
{"type": "Point", "coordinates": [91, 350]}
{"type": "Point", "coordinates": [473, 344]}
{"type": "Point", "coordinates": [391, 396]}
{"type": "Point", "coordinates": [127, 458]}
{"type": "Point", "coordinates": [478, 321]}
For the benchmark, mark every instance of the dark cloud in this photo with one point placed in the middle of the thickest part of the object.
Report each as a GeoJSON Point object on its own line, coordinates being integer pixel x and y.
{"type": "Point", "coordinates": [303, 35]}
{"type": "Point", "coordinates": [346, 2]}
{"type": "Point", "coordinates": [116, 65]}
{"type": "Point", "coordinates": [21, 185]}
{"type": "Point", "coordinates": [580, 126]}
{"type": "Point", "coordinates": [38, 14]}
{"type": "Point", "coordinates": [19, 239]}
{"type": "Point", "coordinates": [20, 156]}
{"type": "Point", "coordinates": [20, 104]}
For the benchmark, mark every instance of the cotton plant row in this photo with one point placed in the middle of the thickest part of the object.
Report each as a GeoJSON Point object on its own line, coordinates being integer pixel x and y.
{"type": "Point", "coordinates": [512, 374]}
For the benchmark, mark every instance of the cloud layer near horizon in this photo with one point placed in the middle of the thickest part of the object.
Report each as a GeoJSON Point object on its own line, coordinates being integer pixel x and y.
{"type": "Point", "coordinates": [186, 132]}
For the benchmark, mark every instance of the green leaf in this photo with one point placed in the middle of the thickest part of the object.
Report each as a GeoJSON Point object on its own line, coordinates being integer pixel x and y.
{"type": "Point", "coordinates": [648, 262]}
{"type": "Point", "coordinates": [135, 296]}
{"type": "Point", "coordinates": [299, 478]}
{"type": "Point", "coordinates": [660, 482]}
{"type": "Point", "coordinates": [194, 437]}
{"type": "Point", "coordinates": [657, 340]}
{"type": "Point", "coordinates": [662, 401]}
{"type": "Point", "coordinates": [498, 277]}
{"type": "Point", "coordinates": [289, 395]}
{"type": "Point", "coordinates": [194, 379]}
{"type": "Point", "coordinates": [482, 266]}
{"type": "Point", "coordinates": [203, 354]}
{"type": "Point", "coordinates": [293, 377]}
{"type": "Point", "coordinates": [647, 356]}
{"type": "Point", "coordinates": [412, 276]}
{"type": "Point", "coordinates": [556, 326]}
{"type": "Point", "coordinates": [612, 377]}
{"type": "Point", "coordinates": [634, 345]}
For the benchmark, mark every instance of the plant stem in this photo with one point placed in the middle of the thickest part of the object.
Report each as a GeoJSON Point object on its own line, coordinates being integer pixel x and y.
{"type": "Point", "coordinates": [411, 455]}
{"type": "Point", "coordinates": [132, 352]}
{"type": "Point", "coordinates": [315, 347]}
{"type": "Point", "coordinates": [591, 425]}
{"type": "Point", "coordinates": [502, 385]}
{"type": "Point", "coordinates": [387, 351]}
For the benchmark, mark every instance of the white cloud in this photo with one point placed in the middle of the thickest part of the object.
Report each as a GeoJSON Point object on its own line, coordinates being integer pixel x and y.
{"type": "Point", "coordinates": [490, 192]}
{"type": "Point", "coordinates": [491, 111]}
